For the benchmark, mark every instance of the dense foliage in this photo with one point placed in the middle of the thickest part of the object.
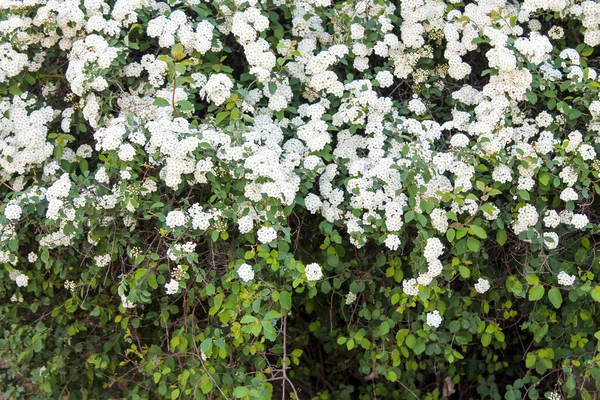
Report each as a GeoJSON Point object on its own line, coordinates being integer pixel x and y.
{"type": "Point", "coordinates": [300, 199]}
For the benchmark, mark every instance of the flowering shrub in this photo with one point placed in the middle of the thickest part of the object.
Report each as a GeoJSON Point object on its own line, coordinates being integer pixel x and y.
{"type": "Point", "coordinates": [299, 198]}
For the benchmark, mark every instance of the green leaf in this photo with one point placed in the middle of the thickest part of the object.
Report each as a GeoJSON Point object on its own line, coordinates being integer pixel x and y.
{"type": "Point", "coordinates": [410, 341]}
{"type": "Point", "coordinates": [419, 346]}
{"type": "Point", "coordinates": [268, 330]}
{"type": "Point", "coordinates": [473, 244]}
{"type": "Point", "coordinates": [536, 292]}
{"type": "Point", "coordinates": [384, 328]}
{"type": "Point", "coordinates": [530, 360]}
{"type": "Point", "coordinates": [272, 315]}
{"type": "Point", "coordinates": [221, 116]}
{"type": "Point", "coordinates": [544, 178]}
{"type": "Point", "coordinates": [486, 339]}
{"type": "Point", "coordinates": [596, 293]}
{"type": "Point", "coordinates": [240, 392]}
{"type": "Point", "coordinates": [450, 234]}
{"type": "Point", "coordinates": [160, 102]}
{"type": "Point", "coordinates": [531, 96]}
{"type": "Point", "coordinates": [555, 297]}
{"type": "Point", "coordinates": [479, 231]}
{"type": "Point", "coordinates": [177, 52]}
{"type": "Point", "coordinates": [248, 319]}
{"type": "Point", "coordinates": [391, 376]}
{"type": "Point", "coordinates": [15, 90]}
{"type": "Point", "coordinates": [501, 237]}
{"type": "Point", "coordinates": [285, 299]}
{"type": "Point", "coordinates": [185, 105]}
{"type": "Point", "coordinates": [464, 271]}
{"type": "Point", "coordinates": [206, 384]}
{"type": "Point", "coordinates": [272, 87]}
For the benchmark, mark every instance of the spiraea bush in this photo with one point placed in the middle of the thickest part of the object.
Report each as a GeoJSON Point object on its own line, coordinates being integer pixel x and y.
{"type": "Point", "coordinates": [301, 199]}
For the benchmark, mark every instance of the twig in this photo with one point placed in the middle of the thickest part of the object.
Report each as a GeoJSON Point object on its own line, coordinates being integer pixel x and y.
{"type": "Point", "coordinates": [470, 219]}
{"type": "Point", "coordinates": [411, 392]}
{"type": "Point", "coordinates": [283, 363]}
{"type": "Point", "coordinates": [174, 88]}
{"type": "Point", "coordinates": [7, 185]}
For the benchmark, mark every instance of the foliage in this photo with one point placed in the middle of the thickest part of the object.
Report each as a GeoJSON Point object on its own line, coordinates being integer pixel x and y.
{"type": "Point", "coordinates": [299, 199]}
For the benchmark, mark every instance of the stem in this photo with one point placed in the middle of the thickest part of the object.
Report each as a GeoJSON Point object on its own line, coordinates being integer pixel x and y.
{"type": "Point", "coordinates": [174, 87]}
{"type": "Point", "coordinates": [470, 219]}
{"type": "Point", "coordinates": [283, 363]}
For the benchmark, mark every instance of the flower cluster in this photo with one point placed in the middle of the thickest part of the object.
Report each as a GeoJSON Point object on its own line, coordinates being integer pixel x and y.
{"type": "Point", "coordinates": [482, 285]}
{"type": "Point", "coordinates": [417, 142]}
{"type": "Point", "coordinates": [434, 319]}
{"type": "Point", "coordinates": [313, 272]}
{"type": "Point", "coordinates": [565, 279]}
{"type": "Point", "coordinates": [245, 272]}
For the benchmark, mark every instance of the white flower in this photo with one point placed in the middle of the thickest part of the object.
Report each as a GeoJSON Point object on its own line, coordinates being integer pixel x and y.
{"type": "Point", "coordinates": [22, 280]}
{"type": "Point", "coordinates": [385, 78]}
{"type": "Point", "coordinates": [126, 303]}
{"type": "Point", "coordinates": [313, 272]}
{"type": "Point", "coordinates": [417, 106]}
{"type": "Point", "coordinates": [555, 396]}
{"type": "Point", "coordinates": [69, 285]}
{"type": "Point", "coordinates": [434, 319]}
{"type": "Point", "coordinates": [556, 32]}
{"type": "Point", "coordinates": [12, 212]}
{"type": "Point", "coordinates": [172, 286]}
{"type": "Point", "coordinates": [245, 272]}
{"type": "Point", "coordinates": [482, 285]}
{"type": "Point", "coordinates": [410, 287]}
{"type": "Point", "coordinates": [16, 299]}
{"type": "Point", "coordinates": [392, 242]}
{"type": "Point", "coordinates": [266, 234]}
{"type": "Point", "coordinates": [433, 249]}
{"type": "Point", "coordinates": [102, 260]}
{"type": "Point", "coordinates": [569, 194]}
{"type": "Point", "coordinates": [350, 298]}
{"type": "Point", "coordinates": [579, 221]}
{"type": "Point", "coordinates": [459, 140]}
{"type": "Point", "coordinates": [32, 257]}
{"type": "Point", "coordinates": [175, 219]}
{"type": "Point", "coordinates": [565, 279]}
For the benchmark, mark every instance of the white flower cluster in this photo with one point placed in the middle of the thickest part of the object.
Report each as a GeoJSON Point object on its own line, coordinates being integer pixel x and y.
{"type": "Point", "coordinates": [178, 250]}
{"type": "Point", "coordinates": [88, 58]}
{"type": "Point", "coordinates": [217, 89]}
{"type": "Point", "coordinates": [20, 278]}
{"type": "Point", "coordinates": [12, 211]}
{"type": "Point", "coordinates": [350, 298]}
{"type": "Point", "coordinates": [482, 285]}
{"type": "Point", "coordinates": [356, 155]}
{"type": "Point", "coordinates": [69, 285]}
{"type": "Point", "coordinates": [172, 287]}
{"type": "Point", "coordinates": [23, 135]}
{"type": "Point", "coordinates": [127, 303]}
{"type": "Point", "coordinates": [266, 234]}
{"type": "Point", "coordinates": [434, 319]}
{"type": "Point", "coordinates": [410, 287]}
{"type": "Point", "coordinates": [178, 27]}
{"type": "Point", "coordinates": [245, 272]}
{"type": "Point", "coordinates": [176, 219]}
{"type": "Point", "coordinates": [565, 279]}
{"type": "Point", "coordinates": [313, 272]}
{"type": "Point", "coordinates": [555, 396]}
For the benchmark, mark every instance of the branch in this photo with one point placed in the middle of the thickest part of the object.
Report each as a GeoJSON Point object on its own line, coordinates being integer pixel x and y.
{"type": "Point", "coordinates": [470, 219]}
{"type": "Point", "coordinates": [174, 88]}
